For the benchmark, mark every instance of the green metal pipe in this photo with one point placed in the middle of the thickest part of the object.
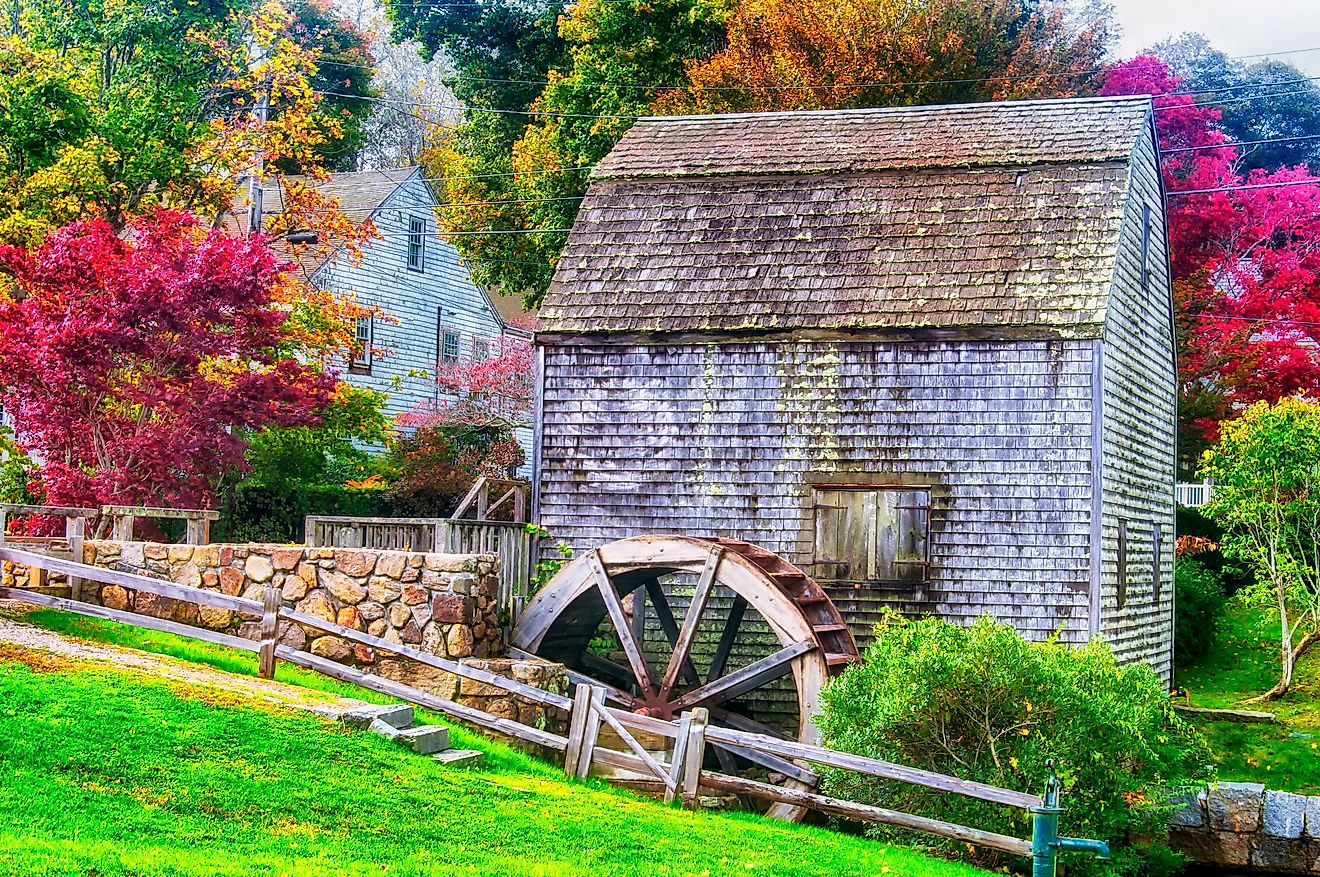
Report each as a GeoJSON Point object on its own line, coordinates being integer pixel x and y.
{"type": "Point", "coordinates": [1045, 840]}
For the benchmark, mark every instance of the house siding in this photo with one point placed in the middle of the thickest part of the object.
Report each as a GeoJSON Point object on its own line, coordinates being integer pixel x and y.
{"type": "Point", "coordinates": [415, 304]}
{"type": "Point", "coordinates": [1139, 402]}
{"type": "Point", "coordinates": [727, 440]}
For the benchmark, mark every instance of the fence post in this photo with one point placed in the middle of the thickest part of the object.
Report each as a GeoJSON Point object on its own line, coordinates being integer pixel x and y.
{"type": "Point", "coordinates": [694, 754]}
{"type": "Point", "coordinates": [75, 529]}
{"type": "Point", "coordinates": [590, 731]}
{"type": "Point", "coordinates": [270, 624]}
{"type": "Point", "coordinates": [577, 723]}
{"type": "Point", "coordinates": [673, 791]}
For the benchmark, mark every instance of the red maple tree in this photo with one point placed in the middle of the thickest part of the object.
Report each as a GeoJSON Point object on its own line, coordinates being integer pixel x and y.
{"type": "Point", "coordinates": [1246, 263]}
{"type": "Point", "coordinates": [131, 361]}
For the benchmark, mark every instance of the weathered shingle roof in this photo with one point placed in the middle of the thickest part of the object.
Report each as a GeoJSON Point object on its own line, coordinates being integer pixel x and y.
{"type": "Point", "coordinates": [987, 215]}
{"type": "Point", "coordinates": [359, 194]}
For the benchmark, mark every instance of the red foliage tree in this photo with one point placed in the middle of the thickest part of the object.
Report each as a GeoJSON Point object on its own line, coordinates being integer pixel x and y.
{"type": "Point", "coordinates": [1246, 264]}
{"type": "Point", "coordinates": [128, 361]}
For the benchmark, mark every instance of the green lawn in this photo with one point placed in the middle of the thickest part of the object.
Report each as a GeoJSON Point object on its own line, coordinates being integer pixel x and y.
{"type": "Point", "coordinates": [1243, 664]}
{"type": "Point", "coordinates": [103, 772]}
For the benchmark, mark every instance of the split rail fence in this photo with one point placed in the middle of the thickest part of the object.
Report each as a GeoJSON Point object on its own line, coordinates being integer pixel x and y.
{"type": "Point", "coordinates": [678, 768]}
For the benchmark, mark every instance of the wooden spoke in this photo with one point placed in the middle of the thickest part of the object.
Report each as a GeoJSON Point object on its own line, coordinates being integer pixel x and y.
{"type": "Point", "coordinates": [769, 762]}
{"type": "Point", "coordinates": [682, 656]}
{"type": "Point", "coordinates": [670, 627]}
{"type": "Point", "coordinates": [743, 723]}
{"type": "Point", "coordinates": [727, 638]}
{"type": "Point", "coordinates": [637, 660]}
{"type": "Point", "coordinates": [608, 669]}
{"type": "Point", "coordinates": [742, 681]}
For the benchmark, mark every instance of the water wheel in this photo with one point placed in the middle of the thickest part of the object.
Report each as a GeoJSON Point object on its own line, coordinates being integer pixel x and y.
{"type": "Point", "coordinates": [668, 623]}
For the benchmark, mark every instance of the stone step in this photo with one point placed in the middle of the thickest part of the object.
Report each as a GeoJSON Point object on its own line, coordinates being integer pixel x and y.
{"type": "Point", "coordinates": [396, 715]}
{"type": "Point", "coordinates": [461, 757]}
{"type": "Point", "coordinates": [424, 740]}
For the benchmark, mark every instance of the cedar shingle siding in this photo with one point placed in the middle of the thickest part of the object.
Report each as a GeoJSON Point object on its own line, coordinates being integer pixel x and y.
{"type": "Point", "coordinates": [754, 309]}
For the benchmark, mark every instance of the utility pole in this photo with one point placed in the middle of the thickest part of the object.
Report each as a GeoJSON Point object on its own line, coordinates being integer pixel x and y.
{"type": "Point", "coordinates": [255, 182]}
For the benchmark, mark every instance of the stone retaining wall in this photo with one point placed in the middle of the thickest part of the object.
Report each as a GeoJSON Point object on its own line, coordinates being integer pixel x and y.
{"type": "Point", "coordinates": [1242, 826]}
{"type": "Point", "coordinates": [445, 604]}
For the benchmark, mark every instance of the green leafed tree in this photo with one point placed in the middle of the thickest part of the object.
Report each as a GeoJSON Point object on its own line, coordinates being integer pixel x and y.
{"type": "Point", "coordinates": [1266, 470]}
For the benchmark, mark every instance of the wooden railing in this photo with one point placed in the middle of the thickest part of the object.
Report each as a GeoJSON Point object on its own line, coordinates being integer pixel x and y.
{"type": "Point", "coordinates": [271, 613]}
{"type": "Point", "coordinates": [677, 768]}
{"type": "Point", "coordinates": [75, 533]}
{"type": "Point", "coordinates": [384, 534]}
{"type": "Point", "coordinates": [197, 522]}
{"type": "Point", "coordinates": [1193, 494]}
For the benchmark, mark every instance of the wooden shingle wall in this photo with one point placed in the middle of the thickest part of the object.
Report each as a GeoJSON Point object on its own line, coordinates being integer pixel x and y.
{"type": "Point", "coordinates": [1140, 417]}
{"type": "Point", "coordinates": [726, 439]}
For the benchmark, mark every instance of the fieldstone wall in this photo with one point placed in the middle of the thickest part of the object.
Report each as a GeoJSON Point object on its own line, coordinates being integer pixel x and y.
{"type": "Point", "coordinates": [1243, 826]}
{"type": "Point", "coordinates": [445, 604]}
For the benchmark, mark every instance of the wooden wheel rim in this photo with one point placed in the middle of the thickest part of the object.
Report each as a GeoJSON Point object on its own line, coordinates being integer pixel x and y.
{"type": "Point", "coordinates": [659, 555]}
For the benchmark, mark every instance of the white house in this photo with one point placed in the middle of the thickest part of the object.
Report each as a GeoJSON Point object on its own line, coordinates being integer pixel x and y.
{"type": "Point", "coordinates": [431, 311]}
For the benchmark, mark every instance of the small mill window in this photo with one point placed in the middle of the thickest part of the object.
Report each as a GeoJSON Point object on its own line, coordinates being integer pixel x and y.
{"type": "Point", "coordinates": [872, 534]}
{"type": "Point", "coordinates": [364, 334]}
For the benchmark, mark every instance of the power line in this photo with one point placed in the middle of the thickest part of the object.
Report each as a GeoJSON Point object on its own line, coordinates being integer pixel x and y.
{"type": "Point", "coordinates": [1286, 321]}
{"type": "Point", "coordinates": [1231, 100]}
{"type": "Point", "coordinates": [1245, 186]}
{"type": "Point", "coordinates": [472, 109]}
{"type": "Point", "coordinates": [1235, 144]}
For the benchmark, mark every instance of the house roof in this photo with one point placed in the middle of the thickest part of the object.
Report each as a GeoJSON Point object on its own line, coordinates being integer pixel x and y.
{"type": "Point", "coordinates": [360, 194]}
{"type": "Point", "coordinates": [986, 215]}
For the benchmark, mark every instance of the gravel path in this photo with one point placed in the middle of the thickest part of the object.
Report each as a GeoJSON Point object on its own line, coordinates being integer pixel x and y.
{"type": "Point", "coordinates": [30, 636]}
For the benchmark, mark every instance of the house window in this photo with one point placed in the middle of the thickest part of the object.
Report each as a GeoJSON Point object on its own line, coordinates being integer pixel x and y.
{"type": "Point", "coordinates": [448, 347]}
{"type": "Point", "coordinates": [1145, 247]}
{"type": "Point", "coordinates": [1122, 563]}
{"type": "Point", "coordinates": [480, 350]}
{"type": "Point", "coordinates": [365, 336]}
{"type": "Point", "coordinates": [417, 244]}
{"type": "Point", "coordinates": [872, 534]}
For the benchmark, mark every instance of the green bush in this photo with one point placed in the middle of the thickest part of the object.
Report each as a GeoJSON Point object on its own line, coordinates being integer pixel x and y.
{"type": "Point", "coordinates": [257, 513]}
{"type": "Point", "coordinates": [1199, 602]}
{"type": "Point", "coordinates": [984, 704]}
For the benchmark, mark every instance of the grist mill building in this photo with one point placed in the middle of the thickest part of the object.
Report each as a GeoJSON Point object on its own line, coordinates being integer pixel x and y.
{"type": "Point", "coordinates": [925, 354]}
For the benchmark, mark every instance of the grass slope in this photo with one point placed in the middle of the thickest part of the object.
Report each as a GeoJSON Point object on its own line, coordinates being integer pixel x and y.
{"type": "Point", "coordinates": [1244, 663]}
{"type": "Point", "coordinates": [108, 773]}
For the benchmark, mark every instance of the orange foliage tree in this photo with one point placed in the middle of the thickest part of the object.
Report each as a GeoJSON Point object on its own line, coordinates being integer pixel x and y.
{"type": "Point", "coordinates": [827, 54]}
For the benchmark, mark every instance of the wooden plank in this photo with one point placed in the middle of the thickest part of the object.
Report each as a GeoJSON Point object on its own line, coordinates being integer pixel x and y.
{"type": "Point", "coordinates": [473, 492]}
{"type": "Point", "coordinates": [873, 767]}
{"type": "Point", "coordinates": [147, 621]}
{"type": "Point", "coordinates": [75, 531]}
{"type": "Point", "coordinates": [122, 529]}
{"type": "Point", "coordinates": [590, 732]}
{"type": "Point", "coordinates": [423, 699]}
{"type": "Point", "coordinates": [727, 638]}
{"type": "Point", "coordinates": [743, 680]}
{"type": "Point", "coordinates": [648, 724]}
{"type": "Point", "coordinates": [133, 582]}
{"type": "Point", "coordinates": [680, 660]}
{"type": "Point", "coordinates": [16, 509]}
{"type": "Point", "coordinates": [531, 692]}
{"type": "Point", "coordinates": [867, 813]}
{"type": "Point", "coordinates": [630, 741]}
{"type": "Point", "coordinates": [577, 725]}
{"type": "Point", "coordinates": [611, 693]}
{"type": "Point", "coordinates": [636, 659]}
{"type": "Point", "coordinates": [669, 625]}
{"type": "Point", "coordinates": [270, 632]}
{"type": "Point", "coordinates": [152, 512]}
{"type": "Point", "coordinates": [694, 753]}
{"type": "Point", "coordinates": [683, 729]}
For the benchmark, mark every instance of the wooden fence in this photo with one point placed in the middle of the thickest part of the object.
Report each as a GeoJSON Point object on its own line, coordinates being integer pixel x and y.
{"type": "Point", "coordinates": [677, 768]}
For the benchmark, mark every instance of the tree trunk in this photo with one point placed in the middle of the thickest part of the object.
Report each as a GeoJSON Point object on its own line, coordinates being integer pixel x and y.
{"type": "Point", "coordinates": [1307, 641]}
{"type": "Point", "coordinates": [1285, 655]}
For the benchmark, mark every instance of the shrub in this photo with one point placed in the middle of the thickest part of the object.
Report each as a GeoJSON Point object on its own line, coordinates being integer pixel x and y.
{"type": "Point", "coordinates": [1199, 610]}
{"type": "Point", "coordinates": [984, 704]}
{"type": "Point", "coordinates": [256, 513]}
{"type": "Point", "coordinates": [438, 464]}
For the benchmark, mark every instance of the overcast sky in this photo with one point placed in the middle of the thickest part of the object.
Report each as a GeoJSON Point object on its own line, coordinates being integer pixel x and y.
{"type": "Point", "coordinates": [1234, 26]}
